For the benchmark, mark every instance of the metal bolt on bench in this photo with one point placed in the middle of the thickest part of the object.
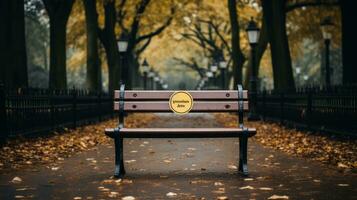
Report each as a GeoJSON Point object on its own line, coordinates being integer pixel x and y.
{"type": "Point", "coordinates": [158, 101]}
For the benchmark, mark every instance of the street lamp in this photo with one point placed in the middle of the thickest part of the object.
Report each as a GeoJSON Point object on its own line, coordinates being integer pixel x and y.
{"type": "Point", "coordinates": [297, 72]}
{"type": "Point", "coordinates": [145, 68]}
{"type": "Point", "coordinates": [165, 86]}
{"type": "Point", "coordinates": [326, 28]}
{"type": "Point", "coordinates": [253, 37]}
{"type": "Point", "coordinates": [122, 48]}
{"type": "Point", "coordinates": [214, 69]}
{"type": "Point", "coordinates": [151, 75]}
{"type": "Point", "coordinates": [223, 66]}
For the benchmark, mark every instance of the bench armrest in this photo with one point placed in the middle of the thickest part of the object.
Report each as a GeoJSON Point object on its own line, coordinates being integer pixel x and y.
{"type": "Point", "coordinates": [112, 132]}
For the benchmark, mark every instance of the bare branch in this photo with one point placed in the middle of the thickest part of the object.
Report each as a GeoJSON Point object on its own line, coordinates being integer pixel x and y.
{"type": "Point", "coordinates": [143, 47]}
{"type": "Point", "coordinates": [192, 65]}
{"type": "Point", "coordinates": [159, 30]}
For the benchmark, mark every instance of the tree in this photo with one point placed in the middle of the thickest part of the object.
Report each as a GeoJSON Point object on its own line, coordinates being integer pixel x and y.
{"type": "Point", "coordinates": [349, 41]}
{"type": "Point", "coordinates": [13, 70]}
{"type": "Point", "coordinates": [237, 55]}
{"type": "Point", "coordinates": [93, 77]}
{"type": "Point", "coordinates": [210, 35]}
{"type": "Point", "coordinates": [275, 19]}
{"type": "Point", "coordinates": [58, 12]}
{"type": "Point", "coordinates": [108, 39]}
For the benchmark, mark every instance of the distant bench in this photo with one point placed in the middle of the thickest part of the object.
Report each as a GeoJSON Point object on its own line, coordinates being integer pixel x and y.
{"type": "Point", "coordinates": [126, 101]}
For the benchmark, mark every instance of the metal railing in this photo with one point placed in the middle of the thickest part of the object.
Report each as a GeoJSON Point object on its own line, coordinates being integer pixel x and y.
{"type": "Point", "coordinates": [29, 111]}
{"type": "Point", "coordinates": [332, 110]}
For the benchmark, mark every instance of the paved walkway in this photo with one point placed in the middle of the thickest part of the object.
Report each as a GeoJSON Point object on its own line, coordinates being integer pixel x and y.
{"type": "Point", "coordinates": [189, 168]}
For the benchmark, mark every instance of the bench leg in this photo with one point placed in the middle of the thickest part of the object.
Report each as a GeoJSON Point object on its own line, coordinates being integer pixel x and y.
{"type": "Point", "coordinates": [243, 165]}
{"type": "Point", "coordinates": [119, 163]}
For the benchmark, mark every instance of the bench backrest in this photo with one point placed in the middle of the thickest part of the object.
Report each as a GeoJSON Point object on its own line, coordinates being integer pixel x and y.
{"type": "Point", "coordinates": [158, 101]}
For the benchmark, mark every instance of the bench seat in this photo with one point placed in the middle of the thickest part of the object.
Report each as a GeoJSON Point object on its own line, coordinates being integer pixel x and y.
{"type": "Point", "coordinates": [179, 132]}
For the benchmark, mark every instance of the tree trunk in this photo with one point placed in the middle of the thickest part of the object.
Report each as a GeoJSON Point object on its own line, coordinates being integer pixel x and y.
{"type": "Point", "coordinates": [260, 49]}
{"type": "Point", "coordinates": [58, 12]}
{"type": "Point", "coordinates": [58, 76]}
{"type": "Point", "coordinates": [274, 17]}
{"type": "Point", "coordinates": [108, 39]}
{"type": "Point", "coordinates": [93, 78]}
{"type": "Point", "coordinates": [13, 70]}
{"type": "Point", "coordinates": [237, 55]}
{"type": "Point", "coordinates": [349, 41]}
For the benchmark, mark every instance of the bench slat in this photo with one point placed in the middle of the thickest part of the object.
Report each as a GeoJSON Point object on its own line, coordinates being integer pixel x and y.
{"type": "Point", "coordinates": [201, 106]}
{"type": "Point", "coordinates": [181, 132]}
{"type": "Point", "coordinates": [196, 95]}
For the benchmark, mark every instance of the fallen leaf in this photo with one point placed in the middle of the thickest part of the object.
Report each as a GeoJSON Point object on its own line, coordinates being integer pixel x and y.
{"type": "Point", "coordinates": [265, 188]}
{"type": "Point", "coordinates": [16, 180]}
{"type": "Point", "coordinates": [19, 197]}
{"type": "Point", "coordinates": [218, 184]}
{"type": "Point", "coordinates": [130, 161]}
{"type": "Point", "coordinates": [77, 198]}
{"type": "Point", "coordinates": [248, 179]}
{"type": "Point", "coordinates": [54, 168]}
{"type": "Point", "coordinates": [278, 197]}
{"type": "Point", "coordinates": [232, 167]}
{"type": "Point", "coordinates": [128, 198]}
{"type": "Point", "coordinates": [127, 181]}
{"type": "Point", "coordinates": [247, 188]}
{"type": "Point", "coordinates": [343, 185]}
{"type": "Point", "coordinates": [171, 194]}
{"type": "Point", "coordinates": [341, 165]}
{"type": "Point", "coordinates": [222, 198]}
{"type": "Point", "coordinates": [113, 194]}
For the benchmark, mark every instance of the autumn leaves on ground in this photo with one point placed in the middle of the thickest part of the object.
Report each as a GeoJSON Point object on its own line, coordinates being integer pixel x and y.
{"type": "Point", "coordinates": [20, 152]}
{"type": "Point", "coordinates": [324, 148]}
{"type": "Point", "coordinates": [181, 169]}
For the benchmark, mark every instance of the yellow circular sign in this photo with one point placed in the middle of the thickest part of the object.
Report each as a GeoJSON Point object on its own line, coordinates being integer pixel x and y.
{"type": "Point", "coordinates": [181, 102]}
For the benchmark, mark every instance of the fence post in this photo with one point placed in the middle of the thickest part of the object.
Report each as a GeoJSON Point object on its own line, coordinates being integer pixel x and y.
{"type": "Point", "coordinates": [74, 107]}
{"type": "Point", "coordinates": [309, 108]}
{"type": "Point", "coordinates": [264, 104]}
{"type": "Point", "coordinates": [100, 106]}
{"type": "Point", "coordinates": [282, 107]}
{"type": "Point", "coordinates": [3, 120]}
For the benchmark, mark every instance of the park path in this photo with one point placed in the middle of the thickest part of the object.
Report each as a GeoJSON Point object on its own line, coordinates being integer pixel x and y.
{"type": "Point", "coordinates": [181, 169]}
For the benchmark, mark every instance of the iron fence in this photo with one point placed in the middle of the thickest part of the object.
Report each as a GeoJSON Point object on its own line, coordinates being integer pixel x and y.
{"type": "Point", "coordinates": [332, 110]}
{"type": "Point", "coordinates": [28, 111]}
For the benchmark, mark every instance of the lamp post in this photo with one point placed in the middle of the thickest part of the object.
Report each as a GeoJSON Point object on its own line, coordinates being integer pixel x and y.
{"type": "Point", "coordinates": [145, 68]}
{"type": "Point", "coordinates": [326, 26]}
{"type": "Point", "coordinates": [209, 75]}
{"type": "Point", "coordinates": [122, 48]}
{"type": "Point", "coordinates": [157, 81]}
{"type": "Point", "coordinates": [151, 75]}
{"type": "Point", "coordinates": [253, 37]}
{"type": "Point", "coordinates": [214, 69]}
{"type": "Point", "coordinates": [223, 67]}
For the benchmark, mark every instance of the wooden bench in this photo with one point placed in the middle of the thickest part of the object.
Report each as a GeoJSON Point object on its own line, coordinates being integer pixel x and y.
{"type": "Point", "coordinates": [158, 101]}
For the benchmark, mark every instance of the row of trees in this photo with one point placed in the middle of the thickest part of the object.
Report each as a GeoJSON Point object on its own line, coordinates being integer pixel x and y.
{"type": "Point", "coordinates": [121, 17]}
{"type": "Point", "coordinates": [213, 36]}
{"type": "Point", "coordinates": [141, 20]}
